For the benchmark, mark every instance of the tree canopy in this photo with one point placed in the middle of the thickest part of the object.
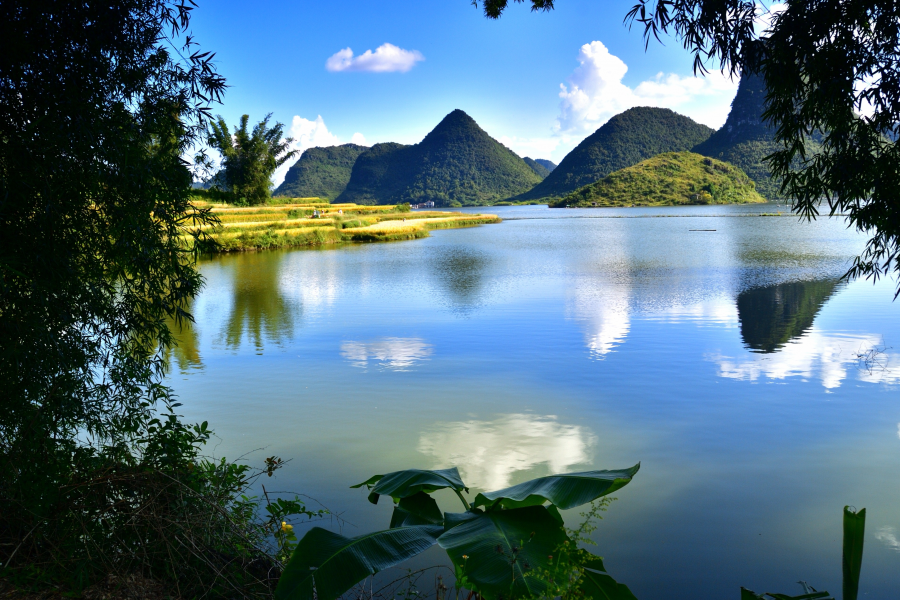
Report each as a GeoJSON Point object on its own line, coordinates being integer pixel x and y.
{"type": "Point", "coordinates": [249, 158]}
{"type": "Point", "coordinates": [832, 72]}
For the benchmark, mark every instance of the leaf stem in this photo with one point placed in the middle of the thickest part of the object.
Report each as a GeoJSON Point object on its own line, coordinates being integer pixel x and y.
{"type": "Point", "coordinates": [466, 504]}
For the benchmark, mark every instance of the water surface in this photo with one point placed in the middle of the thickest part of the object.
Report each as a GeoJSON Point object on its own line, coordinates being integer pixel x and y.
{"type": "Point", "coordinates": [760, 393]}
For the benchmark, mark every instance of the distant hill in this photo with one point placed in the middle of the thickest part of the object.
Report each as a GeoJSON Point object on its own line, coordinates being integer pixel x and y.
{"type": "Point", "coordinates": [745, 139]}
{"type": "Point", "coordinates": [537, 167]}
{"type": "Point", "coordinates": [458, 163]}
{"type": "Point", "coordinates": [668, 179]}
{"type": "Point", "coordinates": [625, 140]}
{"type": "Point", "coordinates": [320, 172]}
{"type": "Point", "coordinates": [547, 164]}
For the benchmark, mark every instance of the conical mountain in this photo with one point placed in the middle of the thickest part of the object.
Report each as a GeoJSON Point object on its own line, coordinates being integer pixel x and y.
{"type": "Point", "coordinates": [537, 166]}
{"type": "Point", "coordinates": [625, 140]}
{"type": "Point", "coordinates": [320, 172]}
{"type": "Point", "coordinates": [745, 139]}
{"type": "Point", "coordinates": [457, 163]}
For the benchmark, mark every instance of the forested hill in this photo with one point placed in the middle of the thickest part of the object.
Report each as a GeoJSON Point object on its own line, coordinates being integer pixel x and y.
{"type": "Point", "coordinates": [458, 163]}
{"type": "Point", "coordinates": [320, 172]}
{"type": "Point", "coordinates": [745, 140]}
{"type": "Point", "coordinates": [625, 140]}
{"type": "Point", "coordinates": [537, 167]}
{"type": "Point", "coordinates": [672, 178]}
{"type": "Point", "coordinates": [547, 164]}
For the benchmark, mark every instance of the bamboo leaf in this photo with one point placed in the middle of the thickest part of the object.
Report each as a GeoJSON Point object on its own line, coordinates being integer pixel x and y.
{"type": "Point", "coordinates": [326, 564]}
{"type": "Point", "coordinates": [565, 491]}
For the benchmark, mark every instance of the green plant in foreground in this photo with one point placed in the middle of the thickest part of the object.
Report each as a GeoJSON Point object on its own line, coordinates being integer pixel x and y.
{"type": "Point", "coordinates": [502, 546]}
{"type": "Point", "coordinates": [854, 533]}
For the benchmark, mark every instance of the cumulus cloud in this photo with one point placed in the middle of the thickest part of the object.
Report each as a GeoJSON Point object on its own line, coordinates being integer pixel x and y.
{"type": "Point", "coordinates": [311, 134]}
{"type": "Point", "coordinates": [489, 453]}
{"type": "Point", "coordinates": [387, 58]}
{"type": "Point", "coordinates": [594, 92]}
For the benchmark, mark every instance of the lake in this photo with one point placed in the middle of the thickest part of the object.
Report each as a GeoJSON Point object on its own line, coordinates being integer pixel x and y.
{"type": "Point", "coordinates": [760, 393]}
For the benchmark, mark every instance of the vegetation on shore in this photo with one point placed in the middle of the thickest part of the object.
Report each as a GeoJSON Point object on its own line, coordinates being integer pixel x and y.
{"type": "Point", "coordinates": [309, 222]}
{"type": "Point", "coordinates": [669, 179]}
{"type": "Point", "coordinates": [625, 140]}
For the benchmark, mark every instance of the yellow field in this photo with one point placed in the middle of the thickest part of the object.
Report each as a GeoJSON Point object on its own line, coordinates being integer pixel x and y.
{"type": "Point", "coordinates": [294, 224]}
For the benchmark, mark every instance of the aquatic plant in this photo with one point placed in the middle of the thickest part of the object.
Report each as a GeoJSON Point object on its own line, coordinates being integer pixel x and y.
{"type": "Point", "coordinates": [502, 546]}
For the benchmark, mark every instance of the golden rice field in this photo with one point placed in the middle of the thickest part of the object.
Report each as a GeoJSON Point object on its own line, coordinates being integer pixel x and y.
{"type": "Point", "coordinates": [309, 222]}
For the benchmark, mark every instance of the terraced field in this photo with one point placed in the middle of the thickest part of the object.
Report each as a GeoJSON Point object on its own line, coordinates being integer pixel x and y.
{"type": "Point", "coordinates": [309, 222]}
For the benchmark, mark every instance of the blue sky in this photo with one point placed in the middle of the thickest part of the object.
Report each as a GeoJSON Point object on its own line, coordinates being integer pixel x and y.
{"type": "Point", "coordinates": [506, 74]}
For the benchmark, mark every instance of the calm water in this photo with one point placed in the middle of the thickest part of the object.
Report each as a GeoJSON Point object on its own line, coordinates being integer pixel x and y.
{"type": "Point", "coordinates": [726, 361]}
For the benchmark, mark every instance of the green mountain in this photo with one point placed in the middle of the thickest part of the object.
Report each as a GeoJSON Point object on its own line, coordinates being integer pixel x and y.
{"type": "Point", "coordinates": [625, 140]}
{"type": "Point", "coordinates": [547, 164]}
{"type": "Point", "coordinates": [458, 163]}
{"type": "Point", "coordinates": [667, 179]}
{"type": "Point", "coordinates": [537, 167]}
{"type": "Point", "coordinates": [745, 139]}
{"type": "Point", "coordinates": [320, 172]}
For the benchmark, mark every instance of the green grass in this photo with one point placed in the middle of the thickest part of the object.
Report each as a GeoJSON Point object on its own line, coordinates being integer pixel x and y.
{"type": "Point", "coordinates": [291, 225]}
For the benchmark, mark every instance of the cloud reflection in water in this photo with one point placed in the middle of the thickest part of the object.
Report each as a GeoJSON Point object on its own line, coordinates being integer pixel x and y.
{"type": "Point", "coordinates": [817, 355]}
{"type": "Point", "coordinates": [488, 453]}
{"type": "Point", "coordinates": [396, 354]}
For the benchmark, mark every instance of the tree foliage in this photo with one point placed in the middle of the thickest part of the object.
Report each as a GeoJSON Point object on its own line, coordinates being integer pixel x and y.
{"type": "Point", "coordinates": [249, 158]}
{"type": "Point", "coordinates": [823, 62]}
{"type": "Point", "coordinates": [98, 103]}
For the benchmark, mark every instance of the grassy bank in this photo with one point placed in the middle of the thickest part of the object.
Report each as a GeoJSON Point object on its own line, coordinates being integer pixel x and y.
{"type": "Point", "coordinates": [308, 222]}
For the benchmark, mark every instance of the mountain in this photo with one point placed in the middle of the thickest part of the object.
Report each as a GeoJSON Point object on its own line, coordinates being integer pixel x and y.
{"type": "Point", "coordinates": [458, 163]}
{"type": "Point", "coordinates": [745, 139]}
{"type": "Point", "coordinates": [668, 179]}
{"type": "Point", "coordinates": [320, 172]}
{"type": "Point", "coordinates": [537, 167]}
{"type": "Point", "coordinates": [625, 140]}
{"type": "Point", "coordinates": [547, 164]}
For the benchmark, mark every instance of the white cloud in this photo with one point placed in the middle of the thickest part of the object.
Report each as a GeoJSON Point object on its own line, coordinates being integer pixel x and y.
{"type": "Point", "coordinates": [888, 536]}
{"type": "Point", "coordinates": [489, 453]}
{"type": "Point", "coordinates": [531, 147]}
{"type": "Point", "coordinates": [310, 134]}
{"type": "Point", "coordinates": [387, 58]}
{"type": "Point", "coordinates": [594, 92]}
{"type": "Point", "coordinates": [396, 354]}
{"type": "Point", "coordinates": [816, 355]}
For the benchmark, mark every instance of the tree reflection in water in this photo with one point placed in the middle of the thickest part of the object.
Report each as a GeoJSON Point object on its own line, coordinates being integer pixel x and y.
{"type": "Point", "coordinates": [259, 309]}
{"type": "Point", "coordinates": [460, 271]}
{"type": "Point", "coordinates": [773, 315]}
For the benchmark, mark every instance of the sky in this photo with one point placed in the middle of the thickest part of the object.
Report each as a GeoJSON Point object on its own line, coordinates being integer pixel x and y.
{"type": "Point", "coordinates": [340, 71]}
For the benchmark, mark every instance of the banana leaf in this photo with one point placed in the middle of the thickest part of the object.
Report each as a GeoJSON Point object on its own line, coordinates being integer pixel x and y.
{"type": "Point", "coordinates": [565, 491]}
{"type": "Point", "coordinates": [402, 484]}
{"type": "Point", "coordinates": [854, 532]}
{"type": "Point", "coordinates": [326, 564]}
{"type": "Point", "coordinates": [418, 509]}
{"type": "Point", "coordinates": [496, 550]}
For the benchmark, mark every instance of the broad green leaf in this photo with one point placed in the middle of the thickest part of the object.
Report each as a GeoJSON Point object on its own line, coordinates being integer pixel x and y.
{"type": "Point", "coordinates": [854, 532]}
{"type": "Point", "coordinates": [749, 595]}
{"type": "Point", "coordinates": [812, 596]}
{"type": "Point", "coordinates": [326, 564]}
{"type": "Point", "coordinates": [565, 491]}
{"type": "Point", "coordinates": [418, 509]}
{"type": "Point", "coordinates": [596, 583]}
{"type": "Point", "coordinates": [402, 484]}
{"type": "Point", "coordinates": [502, 547]}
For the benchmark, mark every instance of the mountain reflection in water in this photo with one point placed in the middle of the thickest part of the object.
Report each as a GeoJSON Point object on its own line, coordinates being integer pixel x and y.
{"type": "Point", "coordinates": [488, 453]}
{"type": "Point", "coordinates": [773, 315]}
